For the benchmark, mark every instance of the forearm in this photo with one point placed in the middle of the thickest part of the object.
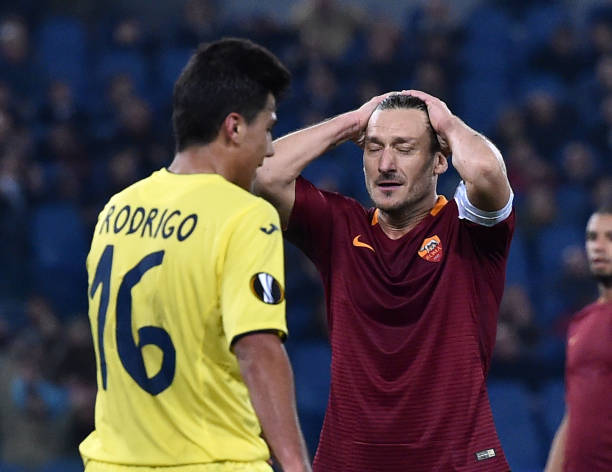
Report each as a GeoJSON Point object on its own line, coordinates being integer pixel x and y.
{"type": "Point", "coordinates": [293, 152]}
{"type": "Point", "coordinates": [267, 374]}
{"type": "Point", "coordinates": [275, 179]}
{"type": "Point", "coordinates": [557, 449]}
{"type": "Point", "coordinates": [480, 165]}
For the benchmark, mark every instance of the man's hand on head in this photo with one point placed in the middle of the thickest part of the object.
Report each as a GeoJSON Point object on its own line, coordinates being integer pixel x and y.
{"type": "Point", "coordinates": [362, 116]}
{"type": "Point", "coordinates": [440, 117]}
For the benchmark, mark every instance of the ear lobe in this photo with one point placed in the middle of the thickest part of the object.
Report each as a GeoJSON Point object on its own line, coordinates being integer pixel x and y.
{"type": "Point", "coordinates": [441, 163]}
{"type": "Point", "coordinates": [233, 127]}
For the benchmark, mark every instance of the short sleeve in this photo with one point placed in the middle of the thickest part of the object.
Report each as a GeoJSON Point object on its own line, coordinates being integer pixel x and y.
{"type": "Point", "coordinates": [252, 274]}
{"type": "Point", "coordinates": [310, 224]}
{"type": "Point", "coordinates": [469, 212]}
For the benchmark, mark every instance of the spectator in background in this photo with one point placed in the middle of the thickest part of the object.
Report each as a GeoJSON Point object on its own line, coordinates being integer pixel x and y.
{"type": "Point", "coordinates": [34, 409]}
{"type": "Point", "coordinates": [327, 27]}
{"type": "Point", "coordinates": [561, 56]}
{"type": "Point", "coordinates": [600, 32]}
{"type": "Point", "coordinates": [574, 284]}
{"type": "Point", "coordinates": [584, 439]}
{"type": "Point", "coordinates": [517, 333]}
{"type": "Point", "coordinates": [547, 116]}
{"type": "Point", "coordinates": [15, 150]}
{"type": "Point", "coordinates": [75, 370]}
{"type": "Point", "coordinates": [60, 107]}
{"type": "Point", "coordinates": [17, 65]}
{"type": "Point", "coordinates": [600, 133]}
{"type": "Point", "coordinates": [384, 59]}
{"type": "Point", "coordinates": [199, 22]}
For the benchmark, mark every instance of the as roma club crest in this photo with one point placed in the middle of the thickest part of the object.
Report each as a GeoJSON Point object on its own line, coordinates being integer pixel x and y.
{"type": "Point", "coordinates": [431, 249]}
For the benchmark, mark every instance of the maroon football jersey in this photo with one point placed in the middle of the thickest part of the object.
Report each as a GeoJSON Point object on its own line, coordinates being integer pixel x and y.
{"type": "Point", "coordinates": [588, 380]}
{"type": "Point", "coordinates": [412, 326]}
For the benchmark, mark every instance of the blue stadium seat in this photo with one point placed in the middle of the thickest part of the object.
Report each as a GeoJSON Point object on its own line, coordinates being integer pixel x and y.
{"type": "Point", "coordinates": [6, 467]}
{"type": "Point", "coordinates": [481, 97]}
{"type": "Point", "coordinates": [541, 22]}
{"type": "Point", "coordinates": [119, 62]}
{"type": "Point", "coordinates": [552, 398]}
{"type": "Point", "coordinates": [552, 241]}
{"type": "Point", "coordinates": [488, 46]}
{"type": "Point", "coordinates": [61, 44]}
{"type": "Point", "coordinates": [311, 362]}
{"type": "Point", "coordinates": [59, 247]}
{"type": "Point", "coordinates": [512, 410]}
{"type": "Point", "coordinates": [517, 269]}
{"type": "Point", "coordinates": [63, 465]}
{"type": "Point", "coordinates": [575, 202]}
{"type": "Point", "coordinates": [170, 62]}
{"type": "Point", "coordinates": [311, 365]}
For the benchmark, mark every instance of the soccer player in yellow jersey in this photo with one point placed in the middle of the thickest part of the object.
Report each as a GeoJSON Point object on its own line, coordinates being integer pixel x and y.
{"type": "Point", "coordinates": [186, 290]}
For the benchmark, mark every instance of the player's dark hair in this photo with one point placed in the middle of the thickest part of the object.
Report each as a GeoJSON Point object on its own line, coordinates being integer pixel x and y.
{"type": "Point", "coordinates": [398, 100]}
{"type": "Point", "coordinates": [225, 76]}
{"type": "Point", "coordinates": [605, 208]}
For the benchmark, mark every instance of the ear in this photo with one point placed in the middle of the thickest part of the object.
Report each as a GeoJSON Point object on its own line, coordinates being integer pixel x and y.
{"type": "Point", "coordinates": [234, 128]}
{"type": "Point", "coordinates": [440, 163]}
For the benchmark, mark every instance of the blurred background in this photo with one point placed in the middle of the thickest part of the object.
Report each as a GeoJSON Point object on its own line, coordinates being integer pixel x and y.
{"type": "Point", "coordinates": [85, 104]}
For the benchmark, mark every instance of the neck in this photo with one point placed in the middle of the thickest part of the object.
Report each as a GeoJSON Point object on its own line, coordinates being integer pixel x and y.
{"type": "Point", "coordinates": [397, 223]}
{"type": "Point", "coordinates": [605, 293]}
{"type": "Point", "coordinates": [207, 159]}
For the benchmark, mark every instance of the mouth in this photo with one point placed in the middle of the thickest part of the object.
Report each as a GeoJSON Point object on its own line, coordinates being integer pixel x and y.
{"type": "Point", "coordinates": [388, 184]}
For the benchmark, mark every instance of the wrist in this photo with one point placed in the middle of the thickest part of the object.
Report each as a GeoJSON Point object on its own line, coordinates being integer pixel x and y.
{"type": "Point", "coordinates": [299, 467]}
{"type": "Point", "coordinates": [346, 126]}
{"type": "Point", "coordinates": [452, 128]}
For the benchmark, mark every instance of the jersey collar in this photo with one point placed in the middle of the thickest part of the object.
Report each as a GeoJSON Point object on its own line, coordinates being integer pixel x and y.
{"type": "Point", "coordinates": [440, 202]}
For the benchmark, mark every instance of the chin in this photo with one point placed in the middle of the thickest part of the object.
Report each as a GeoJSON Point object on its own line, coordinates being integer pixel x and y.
{"type": "Point", "coordinates": [388, 205]}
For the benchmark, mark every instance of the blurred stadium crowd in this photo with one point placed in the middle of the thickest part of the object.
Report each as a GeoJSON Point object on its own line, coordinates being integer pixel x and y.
{"type": "Point", "coordinates": [85, 97]}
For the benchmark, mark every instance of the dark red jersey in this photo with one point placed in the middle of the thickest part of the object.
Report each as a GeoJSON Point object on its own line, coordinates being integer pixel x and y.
{"type": "Point", "coordinates": [588, 380]}
{"type": "Point", "coordinates": [412, 327]}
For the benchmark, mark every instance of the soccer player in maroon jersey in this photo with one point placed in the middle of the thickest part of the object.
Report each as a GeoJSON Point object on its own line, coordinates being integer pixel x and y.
{"type": "Point", "coordinates": [412, 285]}
{"type": "Point", "coordinates": [584, 439]}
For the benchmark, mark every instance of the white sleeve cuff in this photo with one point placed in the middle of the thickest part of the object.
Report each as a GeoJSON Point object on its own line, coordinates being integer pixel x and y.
{"type": "Point", "coordinates": [469, 212]}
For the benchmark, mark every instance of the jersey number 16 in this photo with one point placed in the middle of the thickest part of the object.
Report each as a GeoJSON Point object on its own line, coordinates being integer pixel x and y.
{"type": "Point", "coordinates": [129, 352]}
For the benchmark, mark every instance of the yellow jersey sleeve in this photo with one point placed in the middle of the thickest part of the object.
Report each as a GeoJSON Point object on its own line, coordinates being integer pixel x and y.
{"type": "Point", "coordinates": [252, 274]}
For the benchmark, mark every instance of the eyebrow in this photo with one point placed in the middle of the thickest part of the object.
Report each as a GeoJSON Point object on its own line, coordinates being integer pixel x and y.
{"type": "Point", "coordinates": [395, 140]}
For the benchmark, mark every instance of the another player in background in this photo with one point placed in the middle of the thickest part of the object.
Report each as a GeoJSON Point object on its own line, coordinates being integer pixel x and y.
{"type": "Point", "coordinates": [584, 439]}
{"type": "Point", "coordinates": [186, 289]}
{"type": "Point", "coordinates": [412, 286]}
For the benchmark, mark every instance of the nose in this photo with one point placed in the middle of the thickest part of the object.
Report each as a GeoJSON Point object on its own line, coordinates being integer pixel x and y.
{"type": "Point", "coordinates": [269, 147]}
{"type": "Point", "coordinates": [596, 245]}
{"type": "Point", "coordinates": [386, 162]}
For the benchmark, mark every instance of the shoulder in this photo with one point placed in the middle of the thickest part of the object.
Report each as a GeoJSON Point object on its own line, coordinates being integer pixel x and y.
{"type": "Point", "coordinates": [240, 203]}
{"type": "Point", "coordinates": [580, 316]}
{"type": "Point", "coordinates": [308, 194]}
{"type": "Point", "coordinates": [136, 188]}
{"type": "Point", "coordinates": [595, 307]}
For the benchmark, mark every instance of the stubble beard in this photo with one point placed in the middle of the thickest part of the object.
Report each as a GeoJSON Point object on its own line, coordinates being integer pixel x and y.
{"type": "Point", "coordinates": [402, 205]}
{"type": "Point", "coordinates": [603, 279]}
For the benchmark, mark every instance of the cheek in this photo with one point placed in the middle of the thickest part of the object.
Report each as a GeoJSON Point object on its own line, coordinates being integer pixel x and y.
{"type": "Point", "coordinates": [369, 166]}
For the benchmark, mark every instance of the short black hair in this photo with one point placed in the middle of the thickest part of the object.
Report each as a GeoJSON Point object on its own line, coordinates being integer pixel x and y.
{"type": "Point", "coordinates": [225, 76]}
{"type": "Point", "coordinates": [604, 208]}
{"type": "Point", "coordinates": [400, 100]}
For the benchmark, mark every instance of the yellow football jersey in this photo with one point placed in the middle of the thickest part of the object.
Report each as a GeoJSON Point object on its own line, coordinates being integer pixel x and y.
{"type": "Point", "coordinates": [179, 266]}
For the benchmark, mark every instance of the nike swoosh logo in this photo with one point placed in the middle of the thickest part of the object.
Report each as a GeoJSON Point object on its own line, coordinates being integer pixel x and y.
{"type": "Point", "coordinates": [358, 243]}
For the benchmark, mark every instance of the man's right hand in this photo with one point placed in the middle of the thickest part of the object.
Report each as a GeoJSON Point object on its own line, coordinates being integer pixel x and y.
{"type": "Point", "coordinates": [362, 115]}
